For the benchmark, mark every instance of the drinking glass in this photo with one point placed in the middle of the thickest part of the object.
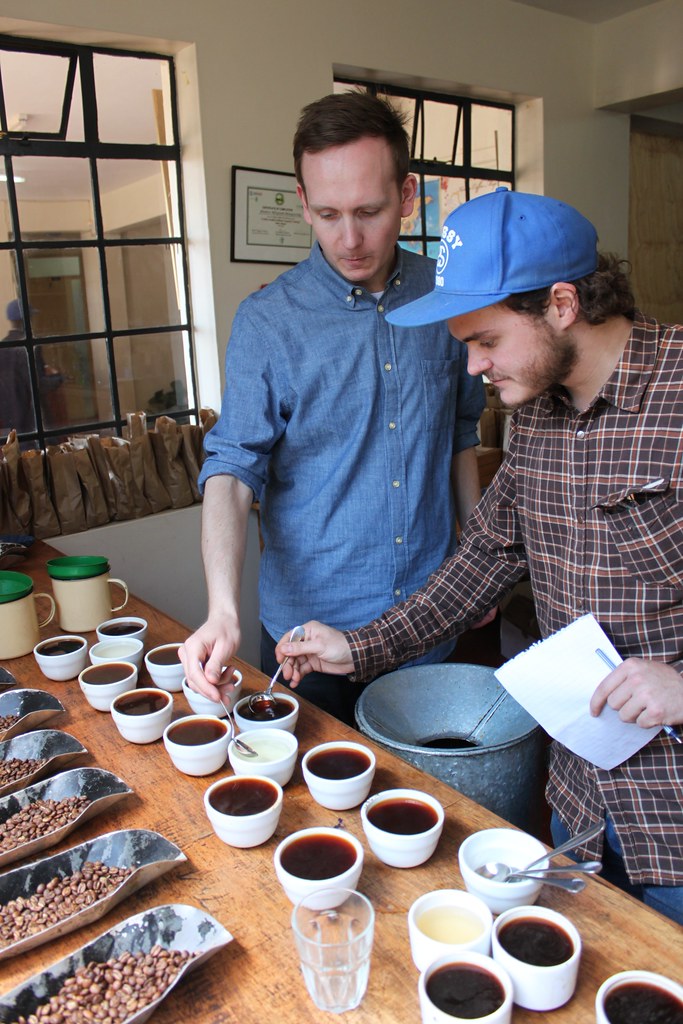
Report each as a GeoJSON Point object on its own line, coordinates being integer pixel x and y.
{"type": "Point", "coordinates": [334, 946]}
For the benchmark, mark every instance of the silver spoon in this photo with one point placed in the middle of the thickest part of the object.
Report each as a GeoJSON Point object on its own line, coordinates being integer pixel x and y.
{"type": "Point", "coordinates": [244, 747]}
{"type": "Point", "coordinates": [499, 871]}
{"type": "Point", "coordinates": [260, 701]}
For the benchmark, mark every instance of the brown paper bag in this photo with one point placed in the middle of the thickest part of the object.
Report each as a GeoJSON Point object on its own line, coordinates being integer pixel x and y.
{"type": "Point", "coordinates": [192, 451]}
{"type": "Point", "coordinates": [144, 464]}
{"type": "Point", "coordinates": [167, 441]}
{"type": "Point", "coordinates": [130, 502]}
{"type": "Point", "coordinates": [14, 484]}
{"type": "Point", "coordinates": [96, 512]}
{"type": "Point", "coordinates": [65, 488]}
{"type": "Point", "coordinates": [208, 419]}
{"type": "Point", "coordinates": [44, 521]}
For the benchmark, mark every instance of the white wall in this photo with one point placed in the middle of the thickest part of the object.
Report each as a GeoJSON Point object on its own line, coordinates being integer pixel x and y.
{"type": "Point", "coordinates": [243, 79]}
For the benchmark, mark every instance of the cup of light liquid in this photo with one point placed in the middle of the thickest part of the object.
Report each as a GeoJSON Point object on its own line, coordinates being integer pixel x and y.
{"type": "Point", "coordinates": [448, 921]}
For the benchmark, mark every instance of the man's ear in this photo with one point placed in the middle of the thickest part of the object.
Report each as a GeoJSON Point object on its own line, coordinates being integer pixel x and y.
{"type": "Point", "coordinates": [408, 193]}
{"type": "Point", "coordinates": [564, 304]}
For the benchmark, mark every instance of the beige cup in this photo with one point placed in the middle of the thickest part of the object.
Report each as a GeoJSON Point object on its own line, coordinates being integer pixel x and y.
{"type": "Point", "coordinates": [83, 604]}
{"type": "Point", "coordinates": [19, 625]}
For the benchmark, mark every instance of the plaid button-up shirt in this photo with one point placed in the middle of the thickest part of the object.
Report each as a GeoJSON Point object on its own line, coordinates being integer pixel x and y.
{"type": "Point", "coordinates": [590, 505]}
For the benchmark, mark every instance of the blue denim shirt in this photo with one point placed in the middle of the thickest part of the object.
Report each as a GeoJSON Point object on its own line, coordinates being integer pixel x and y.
{"type": "Point", "coordinates": [344, 428]}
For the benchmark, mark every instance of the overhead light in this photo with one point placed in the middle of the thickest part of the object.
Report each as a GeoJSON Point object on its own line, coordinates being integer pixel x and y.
{"type": "Point", "coordinates": [18, 180]}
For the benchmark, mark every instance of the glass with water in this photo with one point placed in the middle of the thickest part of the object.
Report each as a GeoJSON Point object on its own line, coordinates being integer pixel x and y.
{"type": "Point", "coordinates": [333, 930]}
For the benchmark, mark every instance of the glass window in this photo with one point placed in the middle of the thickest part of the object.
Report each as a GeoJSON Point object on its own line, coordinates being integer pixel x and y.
{"type": "Point", "coordinates": [93, 280]}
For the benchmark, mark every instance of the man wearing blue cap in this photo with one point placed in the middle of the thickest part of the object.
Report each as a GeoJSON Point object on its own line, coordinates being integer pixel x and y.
{"type": "Point", "coordinates": [588, 503]}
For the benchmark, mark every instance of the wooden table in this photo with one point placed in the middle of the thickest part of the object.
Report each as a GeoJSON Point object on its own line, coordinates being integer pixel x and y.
{"type": "Point", "coordinates": [256, 977]}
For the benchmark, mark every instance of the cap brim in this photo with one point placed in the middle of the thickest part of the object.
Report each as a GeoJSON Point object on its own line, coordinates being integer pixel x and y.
{"type": "Point", "coordinates": [440, 305]}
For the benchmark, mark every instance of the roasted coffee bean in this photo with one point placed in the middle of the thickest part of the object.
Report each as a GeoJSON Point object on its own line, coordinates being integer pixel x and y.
{"type": "Point", "coordinates": [58, 899]}
{"type": "Point", "coordinates": [7, 721]}
{"type": "Point", "coordinates": [110, 992]}
{"type": "Point", "coordinates": [16, 768]}
{"type": "Point", "coordinates": [39, 819]}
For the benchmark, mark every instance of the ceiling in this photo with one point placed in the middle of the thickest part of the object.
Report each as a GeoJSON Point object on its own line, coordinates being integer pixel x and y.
{"type": "Point", "coordinates": [594, 11]}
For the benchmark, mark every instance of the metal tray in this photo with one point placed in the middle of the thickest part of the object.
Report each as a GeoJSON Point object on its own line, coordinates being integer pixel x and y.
{"type": "Point", "coordinates": [58, 747]}
{"type": "Point", "coordinates": [173, 926]}
{"type": "Point", "coordinates": [146, 852]}
{"type": "Point", "coordinates": [102, 789]}
{"type": "Point", "coordinates": [6, 679]}
{"type": "Point", "coordinates": [33, 708]}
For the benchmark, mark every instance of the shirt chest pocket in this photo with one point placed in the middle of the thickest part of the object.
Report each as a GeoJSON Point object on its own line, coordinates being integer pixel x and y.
{"type": "Point", "coordinates": [645, 523]}
{"type": "Point", "coordinates": [440, 394]}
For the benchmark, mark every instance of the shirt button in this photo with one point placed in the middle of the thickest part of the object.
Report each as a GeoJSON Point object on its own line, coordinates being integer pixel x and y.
{"type": "Point", "coordinates": [349, 298]}
{"type": "Point", "coordinates": [580, 434]}
{"type": "Point", "coordinates": [580, 519]}
{"type": "Point", "coordinates": [357, 291]}
{"type": "Point", "coordinates": [380, 309]}
{"type": "Point", "coordinates": [392, 425]}
{"type": "Point", "coordinates": [397, 593]}
{"type": "Point", "coordinates": [396, 285]}
{"type": "Point", "coordinates": [387, 366]}
{"type": "Point", "coordinates": [395, 483]}
{"type": "Point", "coordinates": [399, 540]}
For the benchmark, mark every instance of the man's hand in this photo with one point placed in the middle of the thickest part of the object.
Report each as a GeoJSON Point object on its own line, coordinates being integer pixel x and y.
{"type": "Point", "coordinates": [648, 693]}
{"type": "Point", "coordinates": [323, 649]}
{"type": "Point", "coordinates": [206, 656]}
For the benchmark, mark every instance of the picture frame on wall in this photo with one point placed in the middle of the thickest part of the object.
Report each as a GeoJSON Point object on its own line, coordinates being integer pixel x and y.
{"type": "Point", "coordinates": [267, 222]}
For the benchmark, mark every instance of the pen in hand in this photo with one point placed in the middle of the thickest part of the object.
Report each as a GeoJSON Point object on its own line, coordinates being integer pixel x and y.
{"type": "Point", "coordinates": [668, 729]}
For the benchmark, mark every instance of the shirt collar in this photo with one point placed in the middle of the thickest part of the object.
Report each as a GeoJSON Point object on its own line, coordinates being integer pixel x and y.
{"type": "Point", "coordinates": [351, 294]}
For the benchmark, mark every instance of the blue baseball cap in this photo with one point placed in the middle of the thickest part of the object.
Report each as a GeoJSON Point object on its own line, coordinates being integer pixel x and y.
{"type": "Point", "coordinates": [500, 244]}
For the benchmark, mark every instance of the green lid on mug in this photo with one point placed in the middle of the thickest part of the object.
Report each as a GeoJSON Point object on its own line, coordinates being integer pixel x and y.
{"type": "Point", "coordinates": [77, 567]}
{"type": "Point", "coordinates": [14, 586]}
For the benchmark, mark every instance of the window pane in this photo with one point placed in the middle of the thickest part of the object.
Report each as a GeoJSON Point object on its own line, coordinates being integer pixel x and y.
{"type": "Point", "coordinates": [16, 399]}
{"type": "Point", "coordinates": [143, 285]}
{"type": "Point", "coordinates": [73, 378]}
{"type": "Point", "coordinates": [440, 125]}
{"type": "Point", "coordinates": [412, 246]}
{"type": "Point", "coordinates": [153, 373]}
{"type": "Point", "coordinates": [9, 292]}
{"type": "Point", "coordinates": [141, 84]}
{"type": "Point", "coordinates": [480, 188]}
{"type": "Point", "coordinates": [404, 104]}
{"type": "Point", "coordinates": [491, 138]}
{"type": "Point", "coordinates": [55, 197]}
{"type": "Point", "coordinates": [64, 287]}
{"type": "Point", "coordinates": [6, 226]}
{"type": "Point", "coordinates": [34, 85]}
{"type": "Point", "coordinates": [138, 192]}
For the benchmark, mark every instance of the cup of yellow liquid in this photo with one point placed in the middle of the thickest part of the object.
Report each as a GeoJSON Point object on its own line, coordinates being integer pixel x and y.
{"type": "Point", "coordinates": [448, 921]}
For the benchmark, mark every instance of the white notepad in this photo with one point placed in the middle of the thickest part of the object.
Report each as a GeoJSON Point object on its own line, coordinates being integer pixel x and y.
{"type": "Point", "coordinates": [554, 680]}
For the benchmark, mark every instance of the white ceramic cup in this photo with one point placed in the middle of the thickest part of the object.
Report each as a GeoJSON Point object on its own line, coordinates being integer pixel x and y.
{"type": "Point", "coordinates": [539, 987]}
{"type": "Point", "coordinates": [648, 979]}
{"type": "Point", "coordinates": [296, 886]}
{"type": "Point", "coordinates": [123, 648]}
{"type": "Point", "coordinates": [197, 758]}
{"type": "Point", "coordinates": [136, 723]}
{"type": "Point", "coordinates": [431, 1014]}
{"type": "Point", "coordinates": [338, 789]}
{"type": "Point", "coordinates": [402, 849]}
{"type": "Point", "coordinates": [166, 674]}
{"type": "Point", "coordinates": [62, 666]}
{"type": "Point", "coordinates": [241, 826]}
{"type": "Point", "coordinates": [446, 922]}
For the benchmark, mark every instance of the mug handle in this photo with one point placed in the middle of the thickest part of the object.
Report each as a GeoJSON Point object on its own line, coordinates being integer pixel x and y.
{"type": "Point", "coordinates": [53, 609]}
{"type": "Point", "coordinates": [120, 583]}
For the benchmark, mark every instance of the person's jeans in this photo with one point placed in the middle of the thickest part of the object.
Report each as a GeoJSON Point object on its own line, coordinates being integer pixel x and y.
{"type": "Point", "coordinates": [667, 899]}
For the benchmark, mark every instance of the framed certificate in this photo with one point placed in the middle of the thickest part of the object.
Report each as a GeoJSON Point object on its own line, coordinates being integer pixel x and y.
{"type": "Point", "coordinates": [267, 223]}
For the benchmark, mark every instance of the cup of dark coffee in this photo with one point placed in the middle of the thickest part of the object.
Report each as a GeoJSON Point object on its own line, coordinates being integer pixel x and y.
{"type": "Point", "coordinates": [465, 986]}
{"type": "Point", "coordinates": [128, 625]}
{"type": "Point", "coordinates": [540, 950]}
{"type": "Point", "coordinates": [639, 997]}
{"type": "Point", "coordinates": [197, 744]}
{"type": "Point", "coordinates": [62, 657]}
{"type": "Point", "coordinates": [244, 810]}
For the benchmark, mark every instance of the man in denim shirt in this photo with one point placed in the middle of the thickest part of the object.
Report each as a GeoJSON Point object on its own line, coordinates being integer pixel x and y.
{"type": "Point", "coordinates": [356, 437]}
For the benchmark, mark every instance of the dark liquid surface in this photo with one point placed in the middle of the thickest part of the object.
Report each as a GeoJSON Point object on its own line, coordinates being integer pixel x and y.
{"type": "Point", "coordinates": [243, 796]}
{"type": "Point", "coordinates": [464, 990]}
{"type": "Point", "coordinates": [121, 629]}
{"type": "Point", "coordinates": [165, 656]}
{"type": "Point", "coordinates": [541, 943]}
{"type": "Point", "coordinates": [404, 816]}
{"type": "Point", "coordinates": [639, 1002]}
{"type": "Point", "coordinates": [192, 732]}
{"type": "Point", "coordinates": [339, 763]}
{"type": "Point", "coordinates": [318, 856]}
{"type": "Point", "coordinates": [448, 743]}
{"type": "Point", "coordinates": [143, 702]}
{"type": "Point", "coordinates": [111, 672]}
{"type": "Point", "coordinates": [55, 647]}
{"type": "Point", "coordinates": [264, 710]}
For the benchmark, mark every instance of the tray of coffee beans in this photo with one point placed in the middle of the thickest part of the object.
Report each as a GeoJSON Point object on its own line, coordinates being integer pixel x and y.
{"type": "Point", "coordinates": [25, 759]}
{"type": "Point", "coordinates": [24, 710]}
{"type": "Point", "coordinates": [155, 949]}
{"type": "Point", "coordinates": [35, 818]}
{"type": "Point", "coordinates": [58, 894]}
